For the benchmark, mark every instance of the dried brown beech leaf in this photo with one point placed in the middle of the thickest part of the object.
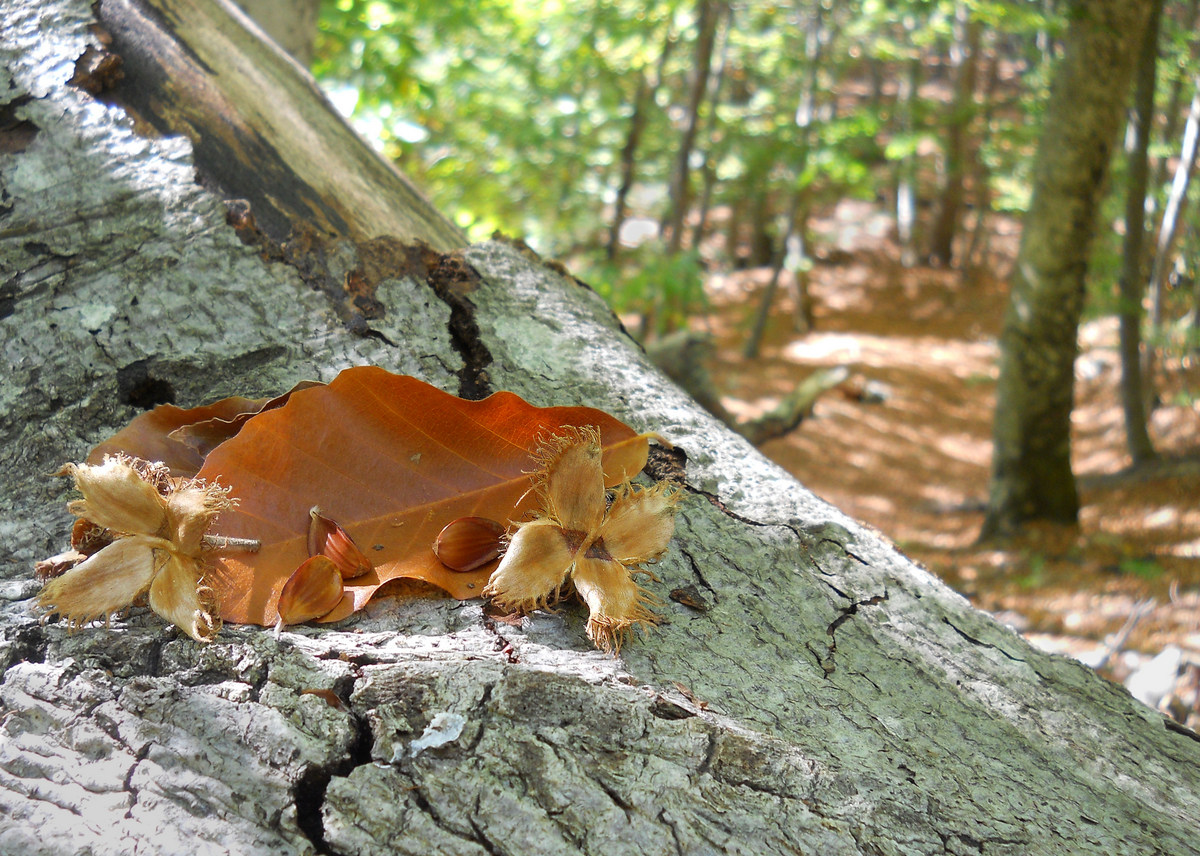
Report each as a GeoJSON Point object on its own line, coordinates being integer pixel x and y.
{"type": "Point", "coordinates": [392, 460]}
{"type": "Point", "coordinates": [581, 539]}
{"type": "Point", "coordinates": [181, 438]}
{"type": "Point", "coordinates": [330, 698]}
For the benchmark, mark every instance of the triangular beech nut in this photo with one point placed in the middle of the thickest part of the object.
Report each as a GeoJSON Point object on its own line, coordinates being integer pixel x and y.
{"type": "Point", "coordinates": [311, 591]}
{"type": "Point", "coordinates": [468, 543]}
{"type": "Point", "coordinates": [327, 538]}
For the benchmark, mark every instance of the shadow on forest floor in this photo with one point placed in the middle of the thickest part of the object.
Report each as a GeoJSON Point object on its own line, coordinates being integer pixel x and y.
{"type": "Point", "coordinates": [905, 446]}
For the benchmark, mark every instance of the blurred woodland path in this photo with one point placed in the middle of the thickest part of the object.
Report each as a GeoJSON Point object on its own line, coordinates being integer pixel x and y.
{"type": "Point", "coordinates": [905, 444]}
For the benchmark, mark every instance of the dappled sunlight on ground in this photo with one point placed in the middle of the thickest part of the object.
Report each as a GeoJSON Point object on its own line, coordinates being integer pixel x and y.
{"type": "Point", "coordinates": [905, 446]}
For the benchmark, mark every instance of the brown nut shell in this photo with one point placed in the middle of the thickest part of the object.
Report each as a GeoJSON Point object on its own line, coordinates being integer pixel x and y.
{"type": "Point", "coordinates": [468, 543]}
{"type": "Point", "coordinates": [327, 538]}
{"type": "Point", "coordinates": [311, 591]}
{"type": "Point", "coordinates": [88, 538]}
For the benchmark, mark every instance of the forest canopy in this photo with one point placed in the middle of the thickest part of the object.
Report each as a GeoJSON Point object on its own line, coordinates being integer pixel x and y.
{"type": "Point", "coordinates": [582, 127]}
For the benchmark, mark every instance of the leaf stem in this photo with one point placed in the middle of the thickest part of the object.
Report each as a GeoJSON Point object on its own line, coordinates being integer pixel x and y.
{"type": "Point", "coordinates": [221, 542]}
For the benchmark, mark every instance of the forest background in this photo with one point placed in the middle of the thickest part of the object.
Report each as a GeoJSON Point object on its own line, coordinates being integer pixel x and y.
{"type": "Point", "coordinates": [773, 192]}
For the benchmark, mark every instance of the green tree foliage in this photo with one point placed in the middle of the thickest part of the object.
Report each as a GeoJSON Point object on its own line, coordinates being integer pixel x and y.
{"type": "Point", "coordinates": [517, 115]}
{"type": "Point", "coordinates": [510, 114]}
{"type": "Point", "coordinates": [514, 115]}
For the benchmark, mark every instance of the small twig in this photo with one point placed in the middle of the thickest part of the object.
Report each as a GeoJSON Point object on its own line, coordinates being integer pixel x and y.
{"type": "Point", "coordinates": [221, 542]}
{"type": "Point", "coordinates": [1140, 610]}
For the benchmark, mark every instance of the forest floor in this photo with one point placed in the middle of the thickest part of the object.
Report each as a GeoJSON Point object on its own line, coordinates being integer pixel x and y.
{"type": "Point", "coordinates": [905, 446]}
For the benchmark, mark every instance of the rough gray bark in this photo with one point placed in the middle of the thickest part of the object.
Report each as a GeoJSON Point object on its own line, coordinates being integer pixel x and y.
{"type": "Point", "coordinates": [832, 698]}
{"type": "Point", "coordinates": [1031, 461]}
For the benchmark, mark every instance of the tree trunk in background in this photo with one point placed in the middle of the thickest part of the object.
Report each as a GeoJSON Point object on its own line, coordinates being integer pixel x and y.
{"type": "Point", "coordinates": [708, 170]}
{"type": "Point", "coordinates": [1173, 211]}
{"type": "Point", "coordinates": [637, 121]}
{"type": "Point", "coordinates": [709, 14]}
{"type": "Point", "coordinates": [643, 102]}
{"type": "Point", "coordinates": [1173, 111]}
{"type": "Point", "coordinates": [1044, 42]}
{"type": "Point", "coordinates": [762, 242]}
{"type": "Point", "coordinates": [906, 177]}
{"type": "Point", "coordinates": [964, 59]}
{"type": "Point", "coordinates": [977, 248]}
{"type": "Point", "coordinates": [1132, 283]}
{"type": "Point", "coordinates": [291, 24]}
{"type": "Point", "coordinates": [806, 110]}
{"type": "Point", "coordinates": [810, 690]}
{"type": "Point", "coordinates": [1031, 461]}
{"type": "Point", "coordinates": [753, 344]}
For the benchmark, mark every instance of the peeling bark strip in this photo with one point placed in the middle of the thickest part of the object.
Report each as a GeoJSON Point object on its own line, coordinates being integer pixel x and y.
{"type": "Point", "coordinates": [260, 128]}
{"type": "Point", "coordinates": [351, 274]}
{"type": "Point", "coordinates": [937, 731]}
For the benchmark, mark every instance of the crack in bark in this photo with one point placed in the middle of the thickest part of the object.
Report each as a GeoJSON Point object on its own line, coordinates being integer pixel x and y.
{"type": "Point", "coordinates": [980, 642]}
{"type": "Point", "coordinates": [670, 824]}
{"type": "Point", "coordinates": [501, 644]}
{"type": "Point", "coordinates": [309, 790]}
{"type": "Point", "coordinates": [852, 609]}
{"type": "Point", "coordinates": [1180, 728]}
{"type": "Point", "coordinates": [426, 807]}
{"type": "Point", "coordinates": [699, 575]}
{"type": "Point", "coordinates": [826, 660]}
{"type": "Point", "coordinates": [481, 837]}
{"type": "Point", "coordinates": [29, 644]}
{"type": "Point", "coordinates": [141, 755]}
{"type": "Point", "coordinates": [710, 753]}
{"type": "Point", "coordinates": [618, 800]}
{"type": "Point", "coordinates": [453, 280]}
{"type": "Point", "coordinates": [308, 795]}
{"type": "Point", "coordinates": [481, 710]}
{"type": "Point", "coordinates": [806, 540]}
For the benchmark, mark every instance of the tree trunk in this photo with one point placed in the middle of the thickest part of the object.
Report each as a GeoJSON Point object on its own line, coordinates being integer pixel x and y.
{"type": "Point", "coordinates": [708, 159]}
{"type": "Point", "coordinates": [1173, 210]}
{"type": "Point", "coordinates": [806, 109]}
{"type": "Point", "coordinates": [709, 14]}
{"type": "Point", "coordinates": [643, 100]}
{"type": "Point", "coordinates": [964, 59]}
{"type": "Point", "coordinates": [818, 693]}
{"type": "Point", "coordinates": [906, 171]}
{"type": "Point", "coordinates": [753, 345]}
{"type": "Point", "coordinates": [637, 122]}
{"type": "Point", "coordinates": [978, 245]}
{"type": "Point", "coordinates": [1131, 284]}
{"type": "Point", "coordinates": [1173, 112]}
{"type": "Point", "coordinates": [1031, 462]}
